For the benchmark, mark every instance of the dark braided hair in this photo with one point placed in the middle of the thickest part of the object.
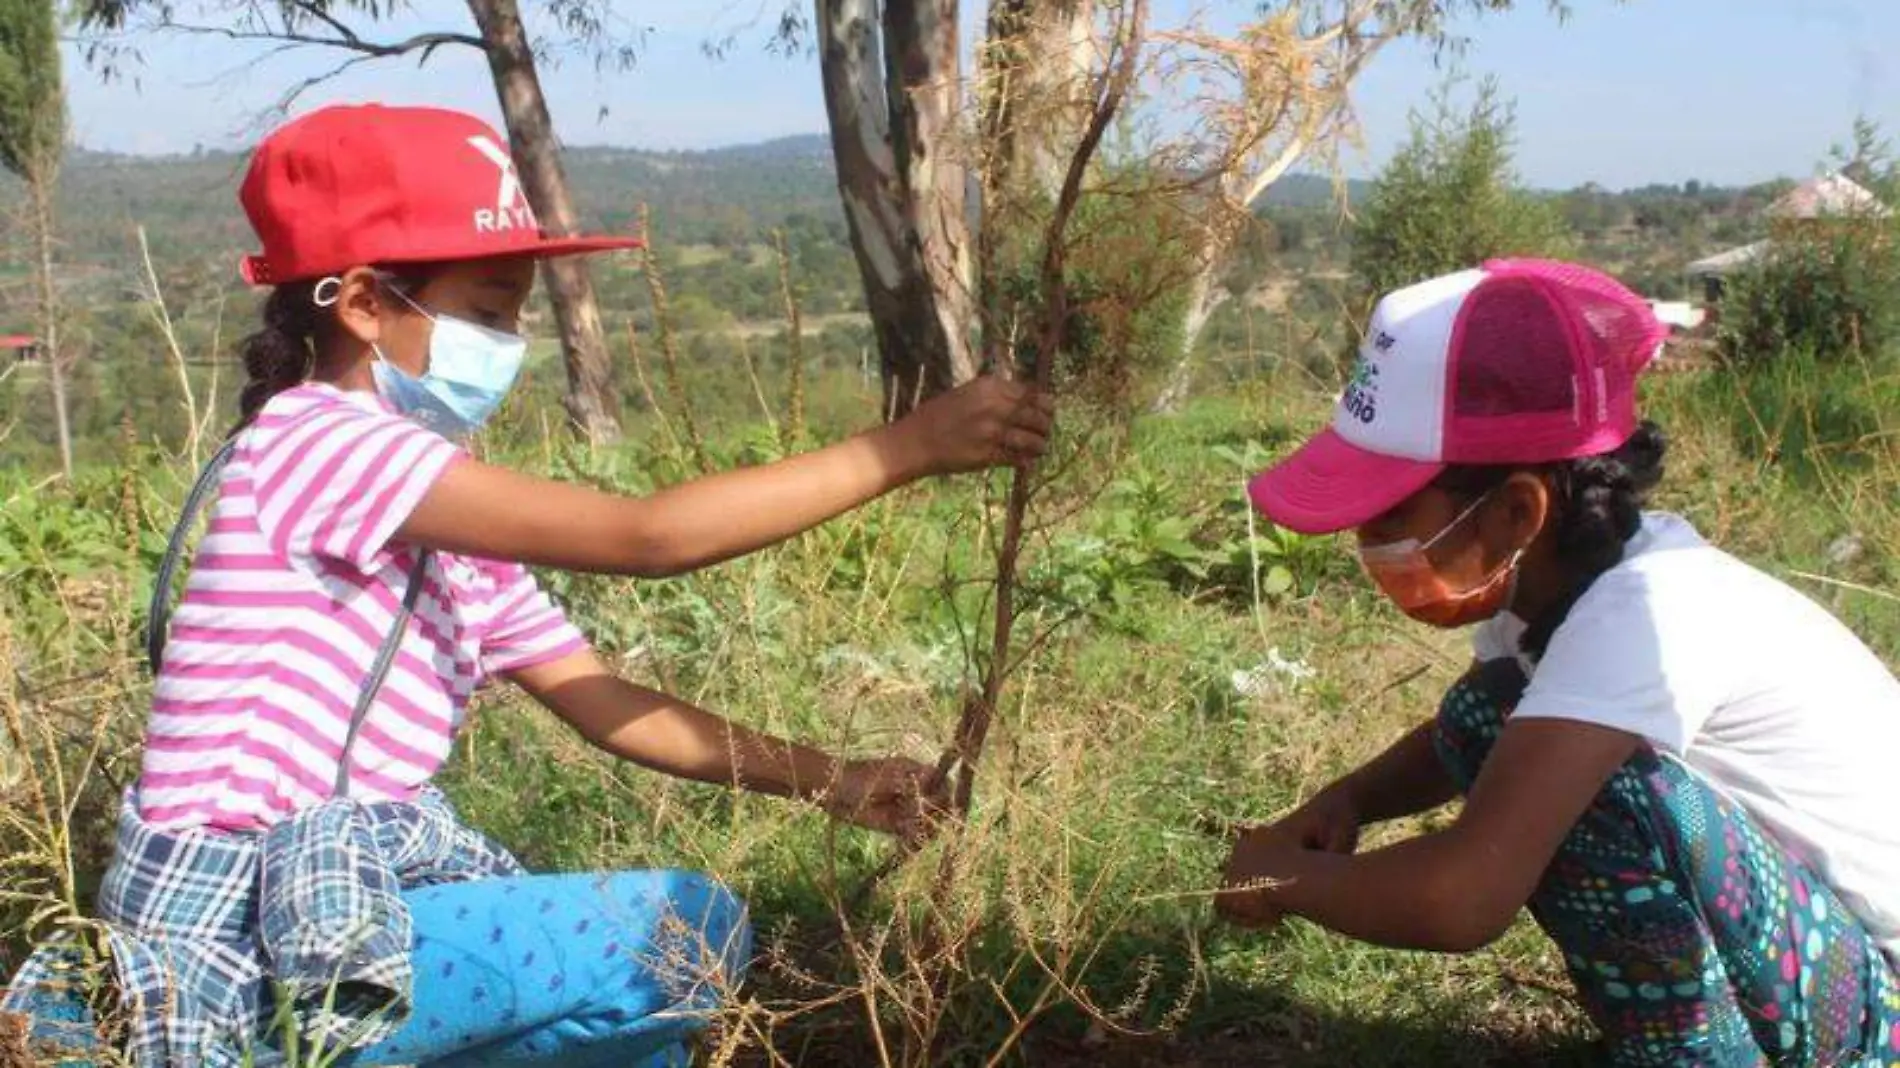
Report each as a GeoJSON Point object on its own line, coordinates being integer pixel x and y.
{"type": "Point", "coordinates": [284, 350]}
{"type": "Point", "coordinates": [281, 353]}
{"type": "Point", "coordinates": [1597, 506]}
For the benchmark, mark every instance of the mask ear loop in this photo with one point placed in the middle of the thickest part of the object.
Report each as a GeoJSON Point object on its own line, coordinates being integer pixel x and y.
{"type": "Point", "coordinates": [1470, 510]}
{"type": "Point", "coordinates": [389, 282]}
{"type": "Point", "coordinates": [1515, 566]}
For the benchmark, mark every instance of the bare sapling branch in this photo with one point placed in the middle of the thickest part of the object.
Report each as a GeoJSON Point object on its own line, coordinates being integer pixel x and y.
{"type": "Point", "coordinates": [979, 709]}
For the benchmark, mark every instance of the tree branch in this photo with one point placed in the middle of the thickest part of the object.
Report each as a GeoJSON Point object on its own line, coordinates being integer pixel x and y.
{"type": "Point", "coordinates": [296, 91]}
{"type": "Point", "coordinates": [978, 712]}
{"type": "Point", "coordinates": [426, 42]}
{"type": "Point", "coordinates": [317, 12]}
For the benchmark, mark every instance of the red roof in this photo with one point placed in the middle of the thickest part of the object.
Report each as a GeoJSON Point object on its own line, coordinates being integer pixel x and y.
{"type": "Point", "coordinates": [18, 341]}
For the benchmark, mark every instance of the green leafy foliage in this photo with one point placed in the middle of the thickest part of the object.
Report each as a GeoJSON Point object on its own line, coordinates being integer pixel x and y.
{"type": "Point", "coordinates": [1829, 290]}
{"type": "Point", "coordinates": [1450, 199]}
{"type": "Point", "coordinates": [32, 102]}
{"type": "Point", "coordinates": [1149, 531]}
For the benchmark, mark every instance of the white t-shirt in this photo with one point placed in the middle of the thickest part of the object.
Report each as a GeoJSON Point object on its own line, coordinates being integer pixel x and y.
{"type": "Point", "coordinates": [1751, 684]}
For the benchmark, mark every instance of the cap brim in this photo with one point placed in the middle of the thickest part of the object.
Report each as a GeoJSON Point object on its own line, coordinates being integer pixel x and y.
{"type": "Point", "coordinates": [575, 246]}
{"type": "Point", "coordinates": [256, 270]}
{"type": "Point", "coordinates": [1331, 485]}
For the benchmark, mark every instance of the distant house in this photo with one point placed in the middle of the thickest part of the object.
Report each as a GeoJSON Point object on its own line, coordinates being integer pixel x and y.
{"type": "Point", "coordinates": [1711, 271]}
{"type": "Point", "coordinates": [20, 348]}
{"type": "Point", "coordinates": [1832, 196]}
{"type": "Point", "coordinates": [1829, 200]}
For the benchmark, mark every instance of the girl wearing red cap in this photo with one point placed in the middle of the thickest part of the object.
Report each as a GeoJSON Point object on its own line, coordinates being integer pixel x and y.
{"type": "Point", "coordinates": [284, 872]}
{"type": "Point", "coordinates": [1681, 766]}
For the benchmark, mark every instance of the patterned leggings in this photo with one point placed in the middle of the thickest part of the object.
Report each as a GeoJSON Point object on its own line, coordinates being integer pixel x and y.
{"type": "Point", "coordinates": [1692, 937]}
{"type": "Point", "coordinates": [573, 970]}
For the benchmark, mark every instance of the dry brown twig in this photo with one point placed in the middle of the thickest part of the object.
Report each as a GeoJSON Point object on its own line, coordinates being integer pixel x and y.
{"type": "Point", "coordinates": [1110, 90]}
{"type": "Point", "coordinates": [792, 430]}
{"type": "Point", "coordinates": [669, 348]}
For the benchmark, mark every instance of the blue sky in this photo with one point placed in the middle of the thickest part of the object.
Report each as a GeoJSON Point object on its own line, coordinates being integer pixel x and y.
{"type": "Point", "coordinates": [1624, 94]}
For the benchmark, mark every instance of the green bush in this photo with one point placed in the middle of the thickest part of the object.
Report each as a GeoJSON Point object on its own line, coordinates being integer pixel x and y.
{"type": "Point", "coordinates": [1450, 199]}
{"type": "Point", "coordinates": [1832, 293]}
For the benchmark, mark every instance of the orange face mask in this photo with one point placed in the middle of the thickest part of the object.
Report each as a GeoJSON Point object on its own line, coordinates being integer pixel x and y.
{"type": "Point", "coordinates": [1403, 571]}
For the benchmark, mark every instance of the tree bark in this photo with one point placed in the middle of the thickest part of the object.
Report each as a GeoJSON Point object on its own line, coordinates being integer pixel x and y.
{"type": "Point", "coordinates": [1204, 299]}
{"type": "Point", "coordinates": [892, 89]}
{"type": "Point", "coordinates": [1205, 296]}
{"type": "Point", "coordinates": [40, 190]}
{"type": "Point", "coordinates": [593, 404]}
{"type": "Point", "coordinates": [1042, 53]}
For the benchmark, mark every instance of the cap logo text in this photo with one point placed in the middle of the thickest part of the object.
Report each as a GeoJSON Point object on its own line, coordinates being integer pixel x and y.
{"type": "Point", "coordinates": [1361, 400]}
{"type": "Point", "coordinates": [511, 210]}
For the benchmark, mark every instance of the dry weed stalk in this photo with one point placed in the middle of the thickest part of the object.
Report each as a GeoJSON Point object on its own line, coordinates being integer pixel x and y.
{"type": "Point", "coordinates": [669, 349]}
{"type": "Point", "coordinates": [645, 381]}
{"type": "Point", "coordinates": [758, 394]}
{"type": "Point", "coordinates": [792, 430]}
{"type": "Point", "coordinates": [153, 298]}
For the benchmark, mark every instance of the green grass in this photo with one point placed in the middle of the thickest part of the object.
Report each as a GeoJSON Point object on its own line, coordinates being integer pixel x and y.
{"type": "Point", "coordinates": [1119, 740]}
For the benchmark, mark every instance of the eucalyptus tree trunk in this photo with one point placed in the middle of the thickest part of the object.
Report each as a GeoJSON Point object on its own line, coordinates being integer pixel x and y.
{"type": "Point", "coordinates": [892, 81]}
{"type": "Point", "coordinates": [593, 405]}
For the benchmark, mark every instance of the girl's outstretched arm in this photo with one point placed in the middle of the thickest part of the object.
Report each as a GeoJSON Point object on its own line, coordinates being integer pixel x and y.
{"type": "Point", "coordinates": [1453, 890]}
{"type": "Point", "coordinates": [662, 732]}
{"type": "Point", "coordinates": [480, 510]}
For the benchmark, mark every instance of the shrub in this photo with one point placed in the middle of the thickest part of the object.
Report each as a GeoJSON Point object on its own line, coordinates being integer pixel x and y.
{"type": "Point", "coordinates": [1450, 199]}
{"type": "Point", "coordinates": [1832, 292]}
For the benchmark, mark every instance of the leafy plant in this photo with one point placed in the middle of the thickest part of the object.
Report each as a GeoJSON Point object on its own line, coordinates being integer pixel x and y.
{"type": "Point", "coordinates": [1263, 560]}
{"type": "Point", "coordinates": [1830, 290]}
{"type": "Point", "coordinates": [1140, 540]}
{"type": "Point", "coordinates": [1450, 199]}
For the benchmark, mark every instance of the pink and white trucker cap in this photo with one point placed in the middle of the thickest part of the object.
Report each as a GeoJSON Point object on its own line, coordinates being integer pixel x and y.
{"type": "Point", "coordinates": [1519, 361]}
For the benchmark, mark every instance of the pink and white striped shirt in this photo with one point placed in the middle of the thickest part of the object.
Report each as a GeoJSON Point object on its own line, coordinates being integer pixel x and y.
{"type": "Point", "coordinates": [293, 589]}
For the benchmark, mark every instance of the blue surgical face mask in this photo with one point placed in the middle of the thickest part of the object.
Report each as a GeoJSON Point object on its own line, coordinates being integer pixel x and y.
{"type": "Point", "coordinates": [471, 370]}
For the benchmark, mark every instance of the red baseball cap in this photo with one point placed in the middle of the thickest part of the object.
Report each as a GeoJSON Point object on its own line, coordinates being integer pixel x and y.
{"type": "Point", "coordinates": [357, 185]}
{"type": "Point", "coordinates": [1516, 362]}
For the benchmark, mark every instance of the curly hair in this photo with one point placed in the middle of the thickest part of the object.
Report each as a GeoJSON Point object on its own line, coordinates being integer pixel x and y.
{"type": "Point", "coordinates": [1597, 505]}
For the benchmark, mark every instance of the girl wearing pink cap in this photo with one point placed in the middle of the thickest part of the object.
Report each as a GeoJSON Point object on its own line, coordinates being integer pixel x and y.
{"type": "Point", "coordinates": [1680, 765]}
{"type": "Point", "coordinates": [284, 872]}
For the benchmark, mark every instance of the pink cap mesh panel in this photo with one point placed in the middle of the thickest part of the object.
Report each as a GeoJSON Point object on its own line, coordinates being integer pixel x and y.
{"type": "Point", "coordinates": [1544, 364]}
{"type": "Point", "coordinates": [1513, 354]}
{"type": "Point", "coordinates": [1620, 328]}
